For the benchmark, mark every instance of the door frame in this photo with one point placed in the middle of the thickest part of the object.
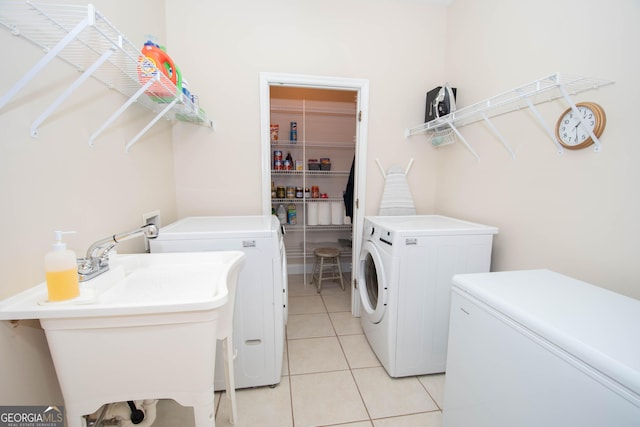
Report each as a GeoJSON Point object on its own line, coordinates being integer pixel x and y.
{"type": "Point", "coordinates": [361, 87]}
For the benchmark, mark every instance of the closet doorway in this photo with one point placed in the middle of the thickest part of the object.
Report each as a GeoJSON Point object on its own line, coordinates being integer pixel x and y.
{"type": "Point", "coordinates": [329, 116]}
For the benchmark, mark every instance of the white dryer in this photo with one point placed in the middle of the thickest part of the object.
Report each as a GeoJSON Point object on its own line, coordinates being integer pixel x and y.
{"type": "Point", "coordinates": [261, 294]}
{"type": "Point", "coordinates": [406, 267]}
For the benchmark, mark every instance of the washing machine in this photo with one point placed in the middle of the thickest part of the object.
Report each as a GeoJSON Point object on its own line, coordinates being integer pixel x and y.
{"type": "Point", "coordinates": [406, 267]}
{"type": "Point", "coordinates": [260, 313]}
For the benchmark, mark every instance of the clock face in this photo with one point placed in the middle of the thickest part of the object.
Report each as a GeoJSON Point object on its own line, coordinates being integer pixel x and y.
{"type": "Point", "coordinates": [573, 130]}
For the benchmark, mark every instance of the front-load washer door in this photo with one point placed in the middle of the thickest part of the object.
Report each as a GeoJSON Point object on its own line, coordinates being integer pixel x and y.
{"type": "Point", "coordinates": [372, 283]}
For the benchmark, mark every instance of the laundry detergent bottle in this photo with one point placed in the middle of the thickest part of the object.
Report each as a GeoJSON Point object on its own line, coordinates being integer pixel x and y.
{"type": "Point", "coordinates": [61, 271]}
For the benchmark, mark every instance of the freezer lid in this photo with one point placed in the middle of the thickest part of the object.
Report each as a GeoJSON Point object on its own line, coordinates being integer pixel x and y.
{"type": "Point", "coordinates": [427, 225]}
{"type": "Point", "coordinates": [216, 227]}
{"type": "Point", "coordinates": [595, 325]}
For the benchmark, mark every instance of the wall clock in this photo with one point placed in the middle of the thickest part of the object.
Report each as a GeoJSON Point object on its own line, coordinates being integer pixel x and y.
{"type": "Point", "coordinates": [574, 135]}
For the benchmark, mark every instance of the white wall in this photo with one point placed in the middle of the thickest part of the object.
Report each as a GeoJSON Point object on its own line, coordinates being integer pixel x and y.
{"type": "Point", "coordinates": [397, 45]}
{"type": "Point", "coordinates": [56, 181]}
{"type": "Point", "coordinates": [576, 213]}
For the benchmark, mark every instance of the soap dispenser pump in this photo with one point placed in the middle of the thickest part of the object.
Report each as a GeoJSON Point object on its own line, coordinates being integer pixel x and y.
{"type": "Point", "coordinates": [61, 271]}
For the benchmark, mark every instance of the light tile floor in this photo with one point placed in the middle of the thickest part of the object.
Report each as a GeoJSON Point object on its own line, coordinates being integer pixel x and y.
{"type": "Point", "coordinates": [331, 377]}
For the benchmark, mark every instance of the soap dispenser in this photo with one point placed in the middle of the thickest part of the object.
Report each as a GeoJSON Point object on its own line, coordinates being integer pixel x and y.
{"type": "Point", "coordinates": [61, 271]}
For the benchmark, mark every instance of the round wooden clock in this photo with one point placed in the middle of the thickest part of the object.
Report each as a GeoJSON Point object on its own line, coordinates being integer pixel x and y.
{"type": "Point", "coordinates": [574, 135]}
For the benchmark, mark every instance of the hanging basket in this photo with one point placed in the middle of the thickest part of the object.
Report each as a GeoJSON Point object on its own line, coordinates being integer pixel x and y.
{"type": "Point", "coordinates": [443, 137]}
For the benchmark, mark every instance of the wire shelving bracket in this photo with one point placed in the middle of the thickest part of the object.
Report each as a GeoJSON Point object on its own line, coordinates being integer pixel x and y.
{"type": "Point", "coordinates": [526, 96]}
{"type": "Point", "coordinates": [86, 40]}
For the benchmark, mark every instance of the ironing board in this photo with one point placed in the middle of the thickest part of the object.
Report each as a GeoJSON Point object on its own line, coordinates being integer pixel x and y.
{"type": "Point", "coordinates": [396, 196]}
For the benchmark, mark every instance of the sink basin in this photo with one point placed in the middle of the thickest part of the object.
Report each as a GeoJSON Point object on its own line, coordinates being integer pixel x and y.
{"type": "Point", "coordinates": [136, 284]}
{"type": "Point", "coordinates": [145, 329]}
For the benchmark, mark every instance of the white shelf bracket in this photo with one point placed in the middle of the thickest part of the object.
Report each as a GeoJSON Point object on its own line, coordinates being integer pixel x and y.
{"type": "Point", "coordinates": [464, 141]}
{"type": "Point", "coordinates": [498, 135]}
{"type": "Point", "coordinates": [55, 104]}
{"type": "Point", "coordinates": [573, 106]}
{"type": "Point", "coordinates": [151, 123]}
{"type": "Point", "coordinates": [52, 53]}
{"type": "Point", "coordinates": [536, 113]}
{"type": "Point", "coordinates": [122, 108]}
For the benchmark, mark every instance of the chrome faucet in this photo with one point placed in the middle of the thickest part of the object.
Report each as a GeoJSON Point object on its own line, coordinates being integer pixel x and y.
{"type": "Point", "coordinates": [97, 259]}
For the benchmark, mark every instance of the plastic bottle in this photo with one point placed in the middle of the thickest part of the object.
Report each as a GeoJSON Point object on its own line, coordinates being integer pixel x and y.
{"type": "Point", "coordinates": [292, 214]}
{"type": "Point", "coordinates": [282, 215]}
{"type": "Point", "coordinates": [61, 271]}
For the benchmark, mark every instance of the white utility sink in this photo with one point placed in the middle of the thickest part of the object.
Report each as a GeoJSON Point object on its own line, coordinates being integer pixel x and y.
{"type": "Point", "coordinates": [145, 329]}
{"type": "Point", "coordinates": [136, 284]}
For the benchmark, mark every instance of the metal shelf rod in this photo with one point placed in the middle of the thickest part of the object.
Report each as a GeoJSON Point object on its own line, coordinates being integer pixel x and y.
{"type": "Point", "coordinates": [45, 60]}
{"type": "Point", "coordinates": [546, 128]}
{"type": "Point", "coordinates": [123, 108]}
{"type": "Point", "coordinates": [55, 104]}
{"type": "Point", "coordinates": [498, 135]}
{"type": "Point", "coordinates": [464, 141]}
{"type": "Point", "coordinates": [151, 123]}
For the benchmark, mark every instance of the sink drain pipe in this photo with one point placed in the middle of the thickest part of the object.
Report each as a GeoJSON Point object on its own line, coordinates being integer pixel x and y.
{"type": "Point", "coordinates": [141, 413]}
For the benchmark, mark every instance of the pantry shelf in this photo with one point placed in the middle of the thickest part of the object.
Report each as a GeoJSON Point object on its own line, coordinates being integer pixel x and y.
{"type": "Point", "coordinates": [336, 109]}
{"type": "Point", "coordinates": [307, 200]}
{"type": "Point", "coordinates": [545, 89]}
{"type": "Point", "coordinates": [83, 38]}
{"type": "Point", "coordinates": [309, 173]}
{"type": "Point", "coordinates": [292, 145]}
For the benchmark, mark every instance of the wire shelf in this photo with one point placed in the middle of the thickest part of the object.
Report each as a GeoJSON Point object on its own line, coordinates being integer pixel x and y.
{"type": "Point", "coordinates": [307, 200]}
{"type": "Point", "coordinates": [538, 91]}
{"type": "Point", "coordinates": [310, 173]}
{"type": "Point", "coordinates": [83, 38]}
{"type": "Point", "coordinates": [546, 89]}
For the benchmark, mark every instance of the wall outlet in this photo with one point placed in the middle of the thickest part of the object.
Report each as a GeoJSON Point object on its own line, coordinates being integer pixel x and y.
{"type": "Point", "coordinates": [150, 218]}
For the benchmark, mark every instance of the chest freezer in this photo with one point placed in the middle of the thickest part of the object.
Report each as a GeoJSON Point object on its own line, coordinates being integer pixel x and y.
{"type": "Point", "coordinates": [536, 348]}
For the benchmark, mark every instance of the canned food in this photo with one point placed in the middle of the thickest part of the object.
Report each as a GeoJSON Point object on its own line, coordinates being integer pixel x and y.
{"type": "Point", "coordinates": [287, 165]}
{"type": "Point", "coordinates": [277, 156]}
{"type": "Point", "coordinates": [291, 193]}
{"type": "Point", "coordinates": [277, 165]}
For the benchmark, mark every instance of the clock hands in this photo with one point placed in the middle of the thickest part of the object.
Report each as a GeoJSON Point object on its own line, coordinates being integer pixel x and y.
{"type": "Point", "coordinates": [578, 123]}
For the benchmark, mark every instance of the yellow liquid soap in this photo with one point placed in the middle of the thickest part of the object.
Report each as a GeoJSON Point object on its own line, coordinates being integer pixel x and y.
{"type": "Point", "coordinates": [62, 285]}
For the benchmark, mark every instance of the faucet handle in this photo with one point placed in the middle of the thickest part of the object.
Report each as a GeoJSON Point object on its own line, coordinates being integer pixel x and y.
{"type": "Point", "coordinates": [84, 266]}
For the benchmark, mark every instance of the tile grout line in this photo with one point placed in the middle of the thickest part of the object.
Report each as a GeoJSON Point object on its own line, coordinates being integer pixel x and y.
{"type": "Point", "coordinates": [293, 419]}
{"type": "Point", "coordinates": [344, 354]}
